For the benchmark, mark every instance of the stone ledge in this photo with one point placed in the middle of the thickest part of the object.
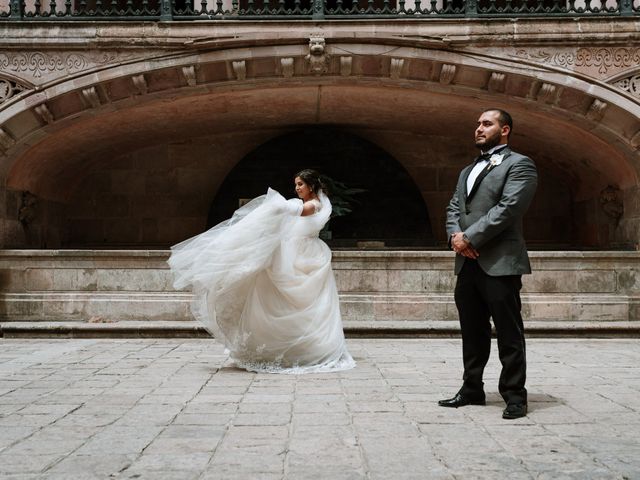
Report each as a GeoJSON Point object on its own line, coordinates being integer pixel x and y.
{"type": "Point", "coordinates": [353, 329]}
{"type": "Point", "coordinates": [125, 329]}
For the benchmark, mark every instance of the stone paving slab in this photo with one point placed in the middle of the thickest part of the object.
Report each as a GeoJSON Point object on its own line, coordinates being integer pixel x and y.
{"type": "Point", "coordinates": [177, 409]}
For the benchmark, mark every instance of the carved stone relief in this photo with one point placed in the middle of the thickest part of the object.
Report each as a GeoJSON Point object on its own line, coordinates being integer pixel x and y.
{"type": "Point", "coordinates": [9, 89]}
{"type": "Point", "coordinates": [317, 59]}
{"type": "Point", "coordinates": [28, 208]}
{"type": "Point", "coordinates": [630, 84]}
{"type": "Point", "coordinates": [598, 62]}
{"type": "Point", "coordinates": [41, 67]}
{"type": "Point", "coordinates": [611, 203]}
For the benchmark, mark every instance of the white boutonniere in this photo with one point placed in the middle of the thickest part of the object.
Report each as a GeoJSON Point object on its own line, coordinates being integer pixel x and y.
{"type": "Point", "coordinates": [495, 160]}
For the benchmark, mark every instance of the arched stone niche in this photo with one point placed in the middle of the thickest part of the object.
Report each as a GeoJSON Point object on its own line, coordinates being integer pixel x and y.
{"type": "Point", "coordinates": [390, 209]}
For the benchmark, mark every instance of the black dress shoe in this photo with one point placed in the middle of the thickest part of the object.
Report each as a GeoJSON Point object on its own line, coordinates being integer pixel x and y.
{"type": "Point", "coordinates": [515, 410]}
{"type": "Point", "coordinates": [461, 400]}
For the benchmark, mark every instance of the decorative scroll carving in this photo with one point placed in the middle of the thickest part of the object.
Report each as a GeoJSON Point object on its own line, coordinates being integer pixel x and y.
{"type": "Point", "coordinates": [38, 64]}
{"type": "Point", "coordinates": [44, 113]}
{"type": "Point", "coordinates": [447, 73]}
{"type": "Point", "coordinates": [611, 203]}
{"type": "Point", "coordinates": [395, 69]}
{"type": "Point", "coordinates": [497, 82]}
{"type": "Point", "coordinates": [317, 59]}
{"type": "Point", "coordinates": [630, 84]}
{"type": "Point", "coordinates": [90, 95]}
{"type": "Point", "coordinates": [140, 84]}
{"type": "Point", "coordinates": [189, 74]}
{"type": "Point", "coordinates": [346, 66]}
{"type": "Point", "coordinates": [240, 69]}
{"type": "Point", "coordinates": [596, 110]}
{"type": "Point", "coordinates": [6, 140]}
{"type": "Point", "coordinates": [9, 89]}
{"type": "Point", "coordinates": [547, 93]}
{"type": "Point", "coordinates": [287, 67]}
{"type": "Point", "coordinates": [602, 58]}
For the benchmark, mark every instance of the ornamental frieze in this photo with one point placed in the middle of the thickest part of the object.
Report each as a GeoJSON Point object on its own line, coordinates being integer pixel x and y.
{"type": "Point", "coordinates": [41, 67]}
{"type": "Point", "coordinates": [598, 62]}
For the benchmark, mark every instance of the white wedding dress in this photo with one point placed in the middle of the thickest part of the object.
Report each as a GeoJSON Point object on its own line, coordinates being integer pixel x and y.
{"type": "Point", "coordinates": [263, 285]}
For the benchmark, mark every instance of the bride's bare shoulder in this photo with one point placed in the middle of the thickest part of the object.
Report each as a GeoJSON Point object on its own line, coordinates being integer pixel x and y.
{"type": "Point", "coordinates": [311, 206]}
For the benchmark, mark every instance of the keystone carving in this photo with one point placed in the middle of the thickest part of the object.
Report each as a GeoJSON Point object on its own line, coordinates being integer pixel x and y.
{"type": "Point", "coordinates": [91, 97]}
{"type": "Point", "coordinates": [189, 74]}
{"type": "Point", "coordinates": [44, 113]}
{"type": "Point", "coordinates": [140, 84]}
{"type": "Point", "coordinates": [596, 110]}
{"type": "Point", "coordinates": [240, 69]}
{"type": "Point", "coordinates": [395, 68]}
{"type": "Point", "coordinates": [346, 66]}
{"type": "Point", "coordinates": [497, 82]}
{"type": "Point", "coordinates": [287, 67]}
{"type": "Point", "coordinates": [317, 59]}
{"type": "Point", "coordinates": [447, 73]}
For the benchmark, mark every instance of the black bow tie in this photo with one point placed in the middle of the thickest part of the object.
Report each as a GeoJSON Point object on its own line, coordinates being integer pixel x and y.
{"type": "Point", "coordinates": [483, 157]}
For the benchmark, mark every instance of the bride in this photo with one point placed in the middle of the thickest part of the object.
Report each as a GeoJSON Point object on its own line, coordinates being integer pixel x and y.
{"type": "Point", "coordinates": [263, 284]}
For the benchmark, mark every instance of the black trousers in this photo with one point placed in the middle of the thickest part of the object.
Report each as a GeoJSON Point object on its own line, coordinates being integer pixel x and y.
{"type": "Point", "coordinates": [479, 297]}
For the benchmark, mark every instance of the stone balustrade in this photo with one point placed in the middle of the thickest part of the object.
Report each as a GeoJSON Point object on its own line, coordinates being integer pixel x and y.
{"type": "Point", "coordinates": [384, 290]}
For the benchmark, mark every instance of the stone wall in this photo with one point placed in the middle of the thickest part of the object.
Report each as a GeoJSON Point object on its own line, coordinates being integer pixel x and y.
{"type": "Point", "coordinates": [155, 196]}
{"type": "Point", "coordinates": [32, 222]}
{"type": "Point", "coordinates": [375, 287]}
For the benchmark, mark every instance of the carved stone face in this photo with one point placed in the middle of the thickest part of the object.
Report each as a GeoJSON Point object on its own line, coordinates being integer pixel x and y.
{"type": "Point", "coordinates": [316, 45]}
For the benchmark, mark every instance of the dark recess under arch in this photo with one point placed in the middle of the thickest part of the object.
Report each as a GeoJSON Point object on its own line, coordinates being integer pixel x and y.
{"type": "Point", "coordinates": [390, 210]}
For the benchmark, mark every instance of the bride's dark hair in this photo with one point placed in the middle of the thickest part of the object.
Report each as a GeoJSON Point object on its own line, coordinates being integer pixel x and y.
{"type": "Point", "coordinates": [312, 178]}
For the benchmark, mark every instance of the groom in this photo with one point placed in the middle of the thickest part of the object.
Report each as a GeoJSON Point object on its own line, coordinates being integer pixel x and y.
{"type": "Point", "coordinates": [484, 225]}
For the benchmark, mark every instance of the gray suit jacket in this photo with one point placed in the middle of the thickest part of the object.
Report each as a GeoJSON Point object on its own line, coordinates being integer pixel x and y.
{"type": "Point", "coordinates": [491, 215]}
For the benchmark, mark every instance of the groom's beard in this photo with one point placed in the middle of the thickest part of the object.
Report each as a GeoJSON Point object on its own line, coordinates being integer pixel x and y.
{"type": "Point", "coordinates": [489, 142]}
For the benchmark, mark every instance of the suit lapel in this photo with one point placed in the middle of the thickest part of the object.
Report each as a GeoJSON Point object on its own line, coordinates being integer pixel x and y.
{"type": "Point", "coordinates": [506, 152]}
{"type": "Point", "coordinates": [465, 176]}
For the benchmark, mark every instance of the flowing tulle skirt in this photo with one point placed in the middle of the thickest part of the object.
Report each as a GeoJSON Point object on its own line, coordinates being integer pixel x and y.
{"type": "Point", "coordinates": [270, 297]}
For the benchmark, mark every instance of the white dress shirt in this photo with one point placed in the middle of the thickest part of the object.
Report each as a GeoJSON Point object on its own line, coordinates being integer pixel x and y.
{"type": "Point", "coordinates": [479, 167]}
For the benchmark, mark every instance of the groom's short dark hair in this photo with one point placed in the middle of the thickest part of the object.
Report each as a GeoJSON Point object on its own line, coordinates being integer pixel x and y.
{"type": "Point", "coordinates": [503, 117]}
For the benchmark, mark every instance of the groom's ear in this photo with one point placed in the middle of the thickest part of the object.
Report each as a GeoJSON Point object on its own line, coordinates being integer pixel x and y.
{"type": "Point", "coordinates": [506, 131]}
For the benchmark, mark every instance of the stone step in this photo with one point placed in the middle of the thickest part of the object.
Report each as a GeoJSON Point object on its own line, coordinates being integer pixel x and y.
{"type": "Point", "coordinates": [353, 329]}
{"type": "Point", "coordinates": [370, 306]}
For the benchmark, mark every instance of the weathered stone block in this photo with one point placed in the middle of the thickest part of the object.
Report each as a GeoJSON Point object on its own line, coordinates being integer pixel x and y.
{"type": "Point", "coordinates": [21, 308]}
{"type": "Point", "coordinates": [628, 281]}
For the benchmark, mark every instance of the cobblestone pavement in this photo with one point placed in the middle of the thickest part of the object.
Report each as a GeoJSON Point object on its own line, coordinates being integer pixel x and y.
{"type": "Point", "coordinates": [176, 409]}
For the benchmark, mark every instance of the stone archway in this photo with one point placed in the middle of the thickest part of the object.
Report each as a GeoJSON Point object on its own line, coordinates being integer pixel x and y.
{"type": "Point", "coordinates": [99, 150]}
{"type": "Point", "coordinates": [391, 209]}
